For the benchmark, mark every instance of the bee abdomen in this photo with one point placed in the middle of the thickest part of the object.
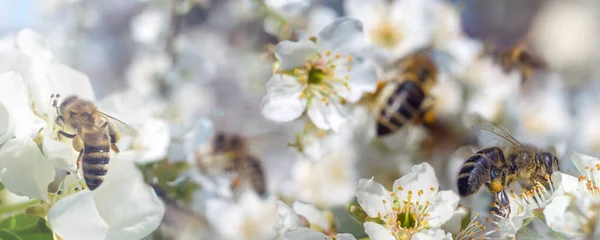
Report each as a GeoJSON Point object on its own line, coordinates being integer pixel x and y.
{"type": "Point", "coordinates": [476, 170]}
{"type": "Point", "coordinates": [224, 143]}
{"type": "Point", "coordinates": [256, 175]}
{"type": "Point", "coordinates": [95, 164]}
{"type": "Point", "coordinates": [400, 108]}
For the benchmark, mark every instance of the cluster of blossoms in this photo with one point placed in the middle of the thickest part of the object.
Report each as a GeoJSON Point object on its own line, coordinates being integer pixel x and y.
{"type": "Point", "coordinates": [197, 68]}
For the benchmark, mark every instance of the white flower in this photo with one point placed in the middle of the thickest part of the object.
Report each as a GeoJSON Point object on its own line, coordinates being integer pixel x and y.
{"type": "Point", "coordinates": [28, 79]}
{"type": "Point", "coordinates": [149, 26]}
{"type": "Point", "coordinates": [330, 180]}
{"type": "Point", "coordinates": [575, 213]}
{"type": "Point", "coordinates": [285, 15]}
{"type": "Point", "coordinates": [248, 218]}
{"type": "Point", "coordinates": [395, 28]}
{"type": "Point", "coordinates": [294, 223]}
{"type": "Point", "coordinates": [414, 209]}
{"type": "Point", "coordinates": [492, 88]}
{"type": "Point", "coordinates": [320, 77]}
{"type": "Point", "coordinates": [123, 207]}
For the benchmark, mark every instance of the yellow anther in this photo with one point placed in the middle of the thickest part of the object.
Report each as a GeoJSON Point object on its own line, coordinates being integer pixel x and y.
{"type": "Point", "coordinates": [384, 201]}
{"type": "Point", "coordinates": [598, 166]}
{"type": "Point", "coordinates": [302, 95]}
{"type": "Point", "coordinates": [400, 188]}
{"type": "Point", "coordinates": [307, 65]}
{"type": "Point", "coordinates": [323, 99]}
{"type": "Point", "coordinates": [432, 189]}
{"type": "Point", "coordinates": [347, 77]}
{"type": "Point", "coordinates": [303, 78]}
{"type": "Point", "coordinates": [350, 58]}
{"type": "Point", "coordinates": [296, 71]}
{"type": "Point", "coordinates": [410, 192]}
{"type": "Point", "coordinates": [420, 192]}
{"type": "Point", "coordinates": [338, 56]}
{"type": "Point", "coordinates": [427, 203]}
{"type": "Point", "coordinates": [327, 53]}
{"type": "Point", "coordinates": [582, 178]}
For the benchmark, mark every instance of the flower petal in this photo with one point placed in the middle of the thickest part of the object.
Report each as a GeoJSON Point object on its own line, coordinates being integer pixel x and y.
{"type": "Point", "coordinates": [76, 217]}
{"type": "Point", "coordinates": [343, 36]}
{"type": "Point", "coordinates": [421, 177]}
{"type": "Point", "coordinates": [287, 218]}
{"type": "Point", "coordinates": [303, 233]}
{"type": "Point", "coordinates": [345, 236]}
{"type": "Point", "coordinates": [378, 232]}
{"type": "Point", "coordinates": [373, 197]}
{"type": "Point", "coordinates": [443, 208]}
{"type": "Point", "coordinates": [15, 97]}
{"type": "Point", "coordinates": [34, 45]}
{"type": "Point", "coordinates": [129, 206]}
{"type": "Point", "coordinates": [24, 170]}
{"type": "Point", "coordinates": [363, 79]}
{"type": "Point", "coordinates": [582, 161]}
{"type": "Point", "coordinates": [294, 54]}
{"type": "Point", "coordinates": [559, 219]}
{"type": "Point", "coordinates": [283, 102]}
{"type": "Point", "coordinates": [327, 116]}
{"type": "Point", "coordinates": [311, 213]}
{"type": "Point", "coordinates": [6, 126]}
{"type": "Point", "coordinates": [152, 144]}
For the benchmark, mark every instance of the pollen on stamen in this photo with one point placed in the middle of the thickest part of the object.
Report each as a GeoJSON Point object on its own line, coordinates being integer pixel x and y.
{"type": "Point", "coordinates": [350, 58]}
{"type": "Point", "coordinates": [432, 189]}
{"type": "Point", "coordinates": [400, 188]}
{"type": "Point", "coordinates": [598, 166]}
{"type": "Point", "coordinates": [296, 71]}
{"type": "Point", "coordinates": [420, 192]}
{"type": "Point", "coordinates": [338, 56]}
{"type": "Point", "coordinates": [302, 95]}
{"type": "Point", "coordinates": [347, 77]}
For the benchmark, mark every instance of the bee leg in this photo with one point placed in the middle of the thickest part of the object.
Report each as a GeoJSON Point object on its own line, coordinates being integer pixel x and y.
{"type": "Point", "coordinates": [79, 159]}
{"type": "Point", "coordinates": [427, 114]}
{"type": "Point", "coordinates": [501, 204]}
{"type": "Point", "coordinates": [114, 138]}
{"type": "Point", "coordinates": [64, 134]}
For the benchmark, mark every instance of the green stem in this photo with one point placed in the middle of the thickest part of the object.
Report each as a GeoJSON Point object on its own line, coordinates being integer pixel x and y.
{"type": "Point", "coordinates": [19, 206]}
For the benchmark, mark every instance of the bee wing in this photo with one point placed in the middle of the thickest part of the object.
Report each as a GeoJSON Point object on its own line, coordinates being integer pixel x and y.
{"type": "Point", "coordinates": [466, 152]}
{"type": "Point", "coordinates": [119, 126]}
{"type": "Point", "coordinates": [490, 134]}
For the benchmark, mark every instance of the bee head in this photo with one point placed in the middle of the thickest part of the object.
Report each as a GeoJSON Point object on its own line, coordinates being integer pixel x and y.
{"type": "Point", "coordinates": [550, 162]}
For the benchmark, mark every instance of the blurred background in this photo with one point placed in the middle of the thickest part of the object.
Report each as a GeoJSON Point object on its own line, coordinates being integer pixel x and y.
{"type": "Point", "coordinates": [211, 60]}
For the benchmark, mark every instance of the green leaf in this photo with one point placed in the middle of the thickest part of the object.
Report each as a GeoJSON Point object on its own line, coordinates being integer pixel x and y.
{"type": "Point", "coordinates": [38, 236]}
{"type": "Point", "coordinates": [6, 235]}
{"type": "Point", "coordinates": [18, 220]}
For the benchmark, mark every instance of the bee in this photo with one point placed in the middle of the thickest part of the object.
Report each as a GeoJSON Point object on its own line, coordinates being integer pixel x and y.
{"type": "Point", "coordinates": [405, 101]}
{"type": "Point", "coordinates": [507, 161]}
{"type": "Point", "coordinates": [93, 132]}
{"type": "Point", "coordinates": [521, 58]}
{"type": "Point", "coordinates": [229, 153]}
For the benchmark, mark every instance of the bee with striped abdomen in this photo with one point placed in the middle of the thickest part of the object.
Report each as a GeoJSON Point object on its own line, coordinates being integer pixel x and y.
{"type": "Point", "coordinates": [405, 101]}
{"type": "Point", "coordinates": [229, 153]}
{"type": "Point", "coordinates": [94, 133]}
{"type": "Point", "coordinates": [505, 162]}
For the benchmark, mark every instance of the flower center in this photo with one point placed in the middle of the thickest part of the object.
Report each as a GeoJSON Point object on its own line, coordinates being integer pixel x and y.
{"type": "Point", "coordinates": [386, 34]}
{"type": "Point", "coordinates": [326, 76]}
{"type": "Point", "coordinates": [407, 217]}
{"type": "Point", "coordinates": [589, 182]}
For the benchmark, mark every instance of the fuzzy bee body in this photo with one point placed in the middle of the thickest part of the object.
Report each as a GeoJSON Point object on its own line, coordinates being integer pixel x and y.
{"type": "Point", "coordinates": [229, 154]}
{"type": "Point", "coordinates": [96, 155]}
{"type": "Point", "coordinates": [94, 134]}
{"type": "Point", "coordinates": [405, 103]}
{"type": "Point", "coordinates": [508, 162]}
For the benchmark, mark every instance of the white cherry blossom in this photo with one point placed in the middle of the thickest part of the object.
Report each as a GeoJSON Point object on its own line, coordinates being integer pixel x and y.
{"type": "Point", "coordinates": [320, 76]}
{"type": "Point", "coordinates": [305, 221]}
{"type": "Point", "coordinates": [415, 208]}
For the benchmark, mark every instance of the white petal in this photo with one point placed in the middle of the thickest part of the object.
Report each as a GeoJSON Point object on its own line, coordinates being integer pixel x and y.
{"type": "Point", "coordinates": [303, 233]}
{"type": "Point", "coordinates": [363, 79]}
{"type": "Point", "coordinates": [152, 143]}
{"type": "Point", "coordinates": [76, 217]}
{"type": "Point", "coordinates": [295, 54]}
{"type": "Point", "coordinates": [378, 232]}
{"type": "Point", "coordinates": [287, 217]}
{"type": "Point", "coordinates": [443, 208]}
{"type": "Point", "coordinates": [62, 80]}
{"type": "Point", "coordinates": [345, 236]}
{"type": "Point", "coordinates": [327, 117]}
{"type": "Point", "coordinates": [15, 97]}
{"type": "Point", "coordinates": [318, 18]}
{"type": "Point", "coordinates": [371, 197]}
{"type": "Point", "coordinates": [283, 102]}
{"type": "Point", "coordinates": [24, 170]}
{"type": "Point", "coordinates": [559, 219]}
{"type": "Point", "coordinates": [343, 36]}
{"type": "Point", "coordinates": [13, 60]}
{"type": "Point", "coordinates": [129, 206]}
{"type": "Point", "coordinates": [311, 213]}
{"type": "Point", "coordinates": [422, 177]}
{"type": "Point", "coordinates": [369, 13]}
{"type": "Point", "coordinates": [6, 126]}
{"type": "Point", "coordinates": [61, 154]}
{"type": "Point", "coordinates": [433, 234]}
{"type": "Point", "coordinates": [581, 161]}
{"type": "Point", "coordinates": [34, 45]}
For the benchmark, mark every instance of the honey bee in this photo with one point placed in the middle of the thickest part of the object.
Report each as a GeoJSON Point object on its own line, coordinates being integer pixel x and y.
{"type": "Point", "coordinates": [93, 132]}
{"type": "Point", "coordinates": [521, 58]}
{"type": "Point", "coordinates": [405, 101]}
{"type": "Point", "coordinates": [507, 161]}
{"type": "Point", "coordinates": [229, 153]}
